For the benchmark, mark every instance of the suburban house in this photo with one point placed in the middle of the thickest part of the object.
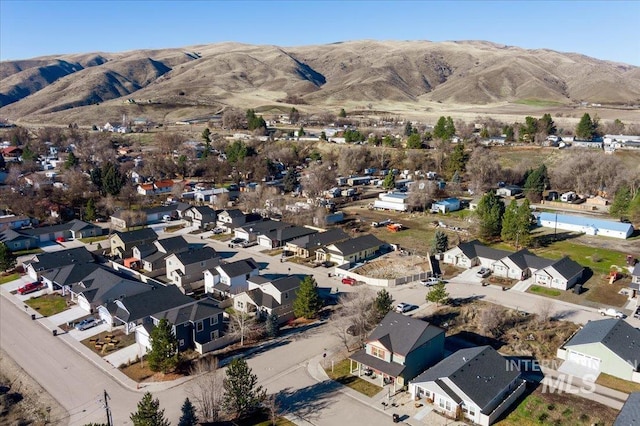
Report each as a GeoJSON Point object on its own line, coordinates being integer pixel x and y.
{"type": "Point", "coordinates": [186, 269]}
{"type": "Point", "coordinates": [509, 191]}
{"type": "Point", "coordinates": [15, 240]}
{"type": "Point", "coordinates": [201, 216]}
{"type": "Point", "coordinates": [230, 278]}
{"type": "Point", "coordinates": [73, 229]}
{"type": "Point", "coordinates": [630, 413]}
{"type": "Point", "coordinates": [399, 349]}
{"type": "Point", "coordinates": [445, 206]}
{"type": "Point", "coordinates": [158, 187]}
{"type": "Point", "coordinates": [585, 224]}
{"type": "Point", "coordinates": [635, 281]}
{"type": "Point", "coordinates": [519, 265]}
{"type": "Point", "coordinates": [135, 310]}
{"type": "Point", "coordinates": [305, 247]}
{"type": "Point", "coordinates": [231, 219]}
{"type": "Point", "coordinates": [64, 277]}
{"type": "Point", "coordinates": [349, 251]}
{"type": "Point", "coordinates": [122, 243]}
{"type": "Point", "coordinates": [392, 201]}
{"type": "Point", "coordinates": [123, 219]}
{"type": "Point", "coordinates": [279, 237]}
{"type": "Point", "coordinates": [43, 262]}
{"type": "Point", "coordinates": [206, 195]}
{"type": "Point", "coordinates": [562, 274]}
{"type": "Point", "coordinates": [266, 297]}
{"type": "Point", "coordinates": [608, 346]}
{"type": "Point", "coordinates": [473, 253]}
{"type": "Point", "coordinates": [11, 153]}
{"type": "Point", "coordinates": [102, 286]}
{"type": "Point", "coordinates": [196, 325]}
{"type": "Point", "coordinates": [472, 384]}
{"type": "Point", "coordinates": [152, 256]}
{"type": "Point", "coordinates": [14, 222]}
{"type": "Point", "coordinates": [250, 231]}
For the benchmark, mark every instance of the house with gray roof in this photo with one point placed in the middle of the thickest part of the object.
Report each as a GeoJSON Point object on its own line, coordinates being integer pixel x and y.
{"type": "Point", "coordinates": [398, 349]}
{"type": "Point", "coordinates": [64, 277]}
{"type": "Point", "coordinates": [279, 237]}
{"type": "Point", "coordinates": [16, 241]}
{"type": "Point", "coordinates": [306, 246]}
{"type": "Point", "coordinates": [73, 229]}
{"type": "Point", "coordinates": [250, 231]}
{"type": "Point", "coordinates": [14, 222]}
{"type": "Point", "coordinates": [186, 269]}
{"type": "Point", "coordinates": [135, 310]}
{"type": "Point", "coordinates": [122, 243]}
{"type": "Point", "coordinates": [231, 219]}
{"type": "Point", "coordinates": [265, 297]}
{"type": "Point", "coordinates": [43, 262]}
{"type": "Point", "coordinates": [610, 346]}
{"type": "Point", "coordinates": [562, 274]}
{"type": "Point", "coordinates": [630, 413]}
{"type": "Point", "coordinates": [350, 250]}
{"type": "Point", "coordinates": [201, 216]}
{"type": "Point", "coordinates": [473, 253]}
{"type": "Point", "coordinates": [230, 278]}
{"type": "Point", "coordinates": [153, 256]}
{"type": "Point", "coordinates": [519, 265]}
{"type": "Point", "coordinates": [475, 384]}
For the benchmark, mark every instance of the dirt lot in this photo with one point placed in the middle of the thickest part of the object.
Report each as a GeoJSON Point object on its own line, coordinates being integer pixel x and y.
{"type": "Point", "coordinates": [22, 399]}
{"type": "Point", "coordinates": [394, 265]}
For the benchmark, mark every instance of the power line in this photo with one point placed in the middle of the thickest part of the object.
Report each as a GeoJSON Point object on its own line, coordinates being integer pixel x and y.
{"type": "Point", "coordinates": [106, 406]}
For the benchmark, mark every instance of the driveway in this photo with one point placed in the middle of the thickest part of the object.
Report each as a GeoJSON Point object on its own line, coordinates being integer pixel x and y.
{"type": "Point", "coordinates": [125, 355]}
{"type": "Point", "coordinates": [70, 315]}
{"type": "Point", "coordinates": [468, 276]}
{"type": "Point", "coordinates": [89, 332]}
{"type": "Point", "coordinates": [584, 372]}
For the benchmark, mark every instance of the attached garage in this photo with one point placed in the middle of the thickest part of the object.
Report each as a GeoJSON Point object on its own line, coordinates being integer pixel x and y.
{"type": "Point", "coordinates": [586, 361]}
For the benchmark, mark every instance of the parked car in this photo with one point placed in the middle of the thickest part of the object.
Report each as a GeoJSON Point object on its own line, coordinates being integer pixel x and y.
{"type": "Point", "coordinates": [218, 231]}
{"type": "Point", "coordinates": [610, 312]}
{"type": "Point", "coordinates": [86, 324]}
{"type": "Point", "coordinates": [483, 272]}
{"type": "Point", "coordinates": [349, 281]}
{"type": "Point", "coordinates": [237, 242]}
{"type": "Point", "coordinates": [405, 307]}
{"type": "Point", "coordinates": [637, 313]}
{"type": "Point", "coordinates": [430, 281]}
{"type": "Point", "coordinates": [30, 287]}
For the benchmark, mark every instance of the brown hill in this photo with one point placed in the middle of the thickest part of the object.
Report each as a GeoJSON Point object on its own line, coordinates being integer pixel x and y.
{"type": "Point", "coordinates": [411, 72]}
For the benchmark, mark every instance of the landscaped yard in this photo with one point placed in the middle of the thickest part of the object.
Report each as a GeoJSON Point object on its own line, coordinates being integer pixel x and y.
{"type": "Point", "coordinates": [109, 341]}
{"type": "Point", "coordinates": [617, 384]}
{"type": "Point", "coordinates": [341, 374]}
{"type": "Point", "coordinates": [29, 251]}
{"type": "Point", "coordinates": [8, 278]}
{"type": "Point", "coordinates": [90, 240]}
{"type": "Point", "coordinates": [558, 409]}
{"type": "Point", "coordinates": [48, 304]}
{"type": "Point", "coordinates": [544, 291]}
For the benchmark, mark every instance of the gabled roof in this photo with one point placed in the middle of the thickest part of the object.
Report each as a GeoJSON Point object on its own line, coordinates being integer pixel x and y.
{"type": "Point", "coordinates": [469, 248]}
{"type": "Point", "coordinates": [239, 267]}
{"type": "Point", "coordinates": [172, 244]}
{"type": "Point", "coordinates": [616, 334]}
{"type": "Point", "coordinates": [166, 183]}
{"type": "Point", "coordinates": [50, 260]}
{"type": "Point", "coordinates": [103, 286]}
{"type": "Point", "coordinates": [401, 334]}
{"type": "Point", "coordinates": [196, 255]}
{"type": "Point", "coordinates": [233, 213]}
{"type": "Point", "coordinates": [286, 283]}
{"type": "Point", "coordinates": [192, 312]}
{"type": "Point", "coordinates": [566, 267]}
{"type": "Point", "coordinates": [10, 235]}
{"type": "Point", "coordinates": [148, 303]}
{"type": "Point", "coordinates": [630, 413]}
{"type": "Point", "coordinates": [358, 244]}
{"type": "Point", "coordinates": [289, 233]}
{"type": "Point", "coordinates": [71, 274]}
{"type": "Point", "coordinates": [260, 298]}
{"type": "Point", "coordinates": [525, 259]}
{"type": "Point", "coordinates": [586, 221]}
{"type": "Point", "coordinates": [264, 226]}
{"type": "Point", "coordinates": [205, 211]}
{"type": "Point", "coordinates": [491, 253]}
{"type": "Point", "coordinates": [144, 235]}
{"type": "Point", "coordinates": [479, 372]}
{"type": "Point", "coordinates": [320, 239]}
{"type": "Point", "coordinates": [74, 225]}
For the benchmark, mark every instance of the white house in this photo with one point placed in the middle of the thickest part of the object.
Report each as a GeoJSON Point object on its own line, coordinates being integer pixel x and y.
{"type": "Point", "coordinates": [230, 278]}
{"type": "Point", "coordinates": [445, 206]}
{"type": "Point", "coordinates": [392, 201]}
{"type": "Point", "coordinates": [563, 274]}
{"type": "Point", "coordinates": [585, 224]}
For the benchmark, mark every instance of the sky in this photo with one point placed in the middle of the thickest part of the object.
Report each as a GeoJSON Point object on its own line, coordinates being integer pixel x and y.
{"type": "Point", "coordinates": [602, 29]}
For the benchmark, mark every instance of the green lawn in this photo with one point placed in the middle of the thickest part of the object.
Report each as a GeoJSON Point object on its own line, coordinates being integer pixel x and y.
{"type": "Point", "coordinates": [8, 278]}
{"type": "Point", "coordinates": [49, 304]}
{"type": "Point", "coordinates": [544, 291]}
{"type": "Point", "coordinates": [29, 251]}
{"type": "Point", "coordinates": [90, 240]}
{"type": "Point", "coordinates": [598, 259]}
{"type": "Point", "coordinates": [342, 375]}
{"type": "Point", "coordinates": [538, 102]}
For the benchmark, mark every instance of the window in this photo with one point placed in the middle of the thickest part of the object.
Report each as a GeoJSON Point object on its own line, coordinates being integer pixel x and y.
{"type": "Point", "coordinates": [181, 343]}
{"type": "Point", "coordinates": [472, 411]}
{"type": "Point", "coordinates": [447, 405]}
{"type": "Point", "coordinates": [215, 334]}
{"type": "Point", "coordinates": [240, 304]}
{"type": "Point", "coordinates": [286, 295]}
{"type": "Point", "coordinates": [199, 326]}
{"type": "Point", "coordinates": [377, 352]}
{"type": "Point", "coordinates": [213, 320]}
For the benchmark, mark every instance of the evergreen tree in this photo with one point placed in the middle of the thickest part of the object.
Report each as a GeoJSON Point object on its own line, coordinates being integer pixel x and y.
{"type": "Point", "coordinates": [96, 178]}
{"type": "Point", "coordinates": [408, 129]}
{"type": "Point", "coordinates": [634, 210]}
{"type": "Point", "coordinates": [294, 115]}
{"type": "Point", "coordinates": [523, 237]}
{"type": "Point", "coordinates": [188, 417]}
{"type": "Point", "coordinates": [28, 154]}
{"type": "Point", "coordinates": [546, 125]}
{"type": "Point", "coordinates": [255, 121]}
{"type": "Point", "coordinates": [206, 135]}
{"type": "Point", "coordinates": [7, 258]}
{"type": "Point", "coordinates": [242, 393]}
{"type": "Point", "coordinates": [272, 325]}
{"type": "Point", "coordinates": [509, 134]}
{"type": "Point", "coordinates": [307, 303]}
{"type": "Point", "coordinates": [586, 128]}
{"type": "Point", "coordinates": [383, 304]}
{"type": "Point", "coordinates": [238, 151]}
{"type": "Point", "coordinates": [529, 129]}
{"type": "Point", "coordinates": [388, 140]}
{"type": "Point", "coordinates": [490, 211]}
{"type": "Point", "coordinates": [536, 182]}
{"type": "Point", "coordinates": [112, 180]}
{"type": "Point", "coordinates": [71, 161]}
{"type": "Point", "coordinates": [323, 136]}
{"type": "Point", "coordinates": [510, 222]}
{"type": "Point", "coordinates": [438, 294]}
{"type": "Point", "coordinates": [343, 113]}
{"type": "Point", "coordinates": [90, 210]}
{"type": "Point", "coordinates": [414, 141]}
{"type": "Point", "coordinates": [163, 355]}
{"type": "Point", "coordinates": [290, 180]}
{"type": "Point", "coordinates": [440, 129]}
{"type": "Point", "coordinates": [149, 413]}
{"type": "Point", "coordinates": [621, 202]}
{"type": "Point", "coordinates": [440, 242]}
{"type": "Point", "coordinates": [457, 161]}
{"type": "Point", "coordinates": [450, 128]}
{"type": "Point", "coordinates": [389, 181]}
{"type": "Point", "coordinates": [301, 132]}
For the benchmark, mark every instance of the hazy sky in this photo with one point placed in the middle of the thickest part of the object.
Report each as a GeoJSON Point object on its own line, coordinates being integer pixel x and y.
{"type": "Point", "coordinates": [602, 29]}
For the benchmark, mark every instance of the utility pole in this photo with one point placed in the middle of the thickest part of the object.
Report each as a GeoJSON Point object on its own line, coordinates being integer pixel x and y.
{"type": "Point", "coordinates": [106, 407]}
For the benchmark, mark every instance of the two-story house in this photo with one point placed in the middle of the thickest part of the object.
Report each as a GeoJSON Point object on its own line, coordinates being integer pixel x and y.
{"type": "Point", "coordinates": [266, 297]}
{"type": "Point", "coordinates": [122, 243]}
{"type": "Point", "coordinates": [306, 246]}
{"type": "Point", "coordinates": [186, 269]}
{"type": "Point", "coordinates": [230, 278]}
{"type": "Point", "coordinates": [152, 256]}
{"type": "Point", "coordinates": [399, 349]}
{"type": "Point", "coordinates": [43, 262]}
{"type": "Point", "coordinates": [201, 216]}
{"type": "Point", "coordinates": [476, 384]}
{"type": "Point", "coordinates": [349, 251]}
{"type": "Point", "coordinates": [231, 219]}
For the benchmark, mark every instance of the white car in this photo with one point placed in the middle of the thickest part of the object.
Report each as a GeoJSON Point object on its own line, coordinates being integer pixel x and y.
{"type": "Point", "coordinates": [405, 307]}
{"type": "Point", "coordinates": [430, 281]}
{"type": "Point", "coordinates": [86, 324]}
{"type": "Point", "coordinates": [610, 312]}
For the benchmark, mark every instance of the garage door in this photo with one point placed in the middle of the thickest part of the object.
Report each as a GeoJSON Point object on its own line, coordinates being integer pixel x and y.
{"type": "Point", "coordinates": [586, 361]}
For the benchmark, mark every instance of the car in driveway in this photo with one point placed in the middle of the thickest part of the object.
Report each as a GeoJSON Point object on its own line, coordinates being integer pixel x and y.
{"type": "Point", "coordinates": [430, 281]}
{"type": "Point", "coordinates": [349, 281]}
{"type": "Point", "coordinates": [237, 242]}
{"type": "Point", "coordinates": [86, 324]}
{"type": "Point", "coordinates": [30, 287]}
{"type": "Point", "coordinates": [610, 312]}
{"type": "Point", "coordinates": [483, 272]}
{"type": "Point", "coordinates": [401, 308]}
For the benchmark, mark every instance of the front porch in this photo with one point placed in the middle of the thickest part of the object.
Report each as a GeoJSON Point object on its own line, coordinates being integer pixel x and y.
{"type": "Point", "coordinates": [376, 371]}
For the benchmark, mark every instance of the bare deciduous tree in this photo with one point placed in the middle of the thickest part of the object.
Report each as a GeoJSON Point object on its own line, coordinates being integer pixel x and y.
{"type": "Point", "coordinates": [421, 194]}
{"type": "Point", "coordinates": [545, 309]}
{"type": "Point", "coordinates": [233, 119]}
{"type": "Point", "coordinates": [242, 326]}
{"type": "Point", "coordinates": [492, 320]}
{"type": "Point", "coordinates": [317, 178]}
{"type": "Point", "coordinates": [483, 168]}
{"type": "Point", "coordinates": [354, 317]}
{"type": "Point", "coordinates": [206, 389]}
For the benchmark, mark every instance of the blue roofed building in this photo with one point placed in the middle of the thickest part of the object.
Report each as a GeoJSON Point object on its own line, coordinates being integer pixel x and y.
{"type": "Point", "coordinates": [445, 206]}
{"type": "Point", "coordinates": [585, 224]}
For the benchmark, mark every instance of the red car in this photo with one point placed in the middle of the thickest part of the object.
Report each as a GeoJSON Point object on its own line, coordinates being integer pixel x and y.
{"type": "Point", "coordinates": [30, 288]}
{"type": "Point", "coordinates": [348, 281]}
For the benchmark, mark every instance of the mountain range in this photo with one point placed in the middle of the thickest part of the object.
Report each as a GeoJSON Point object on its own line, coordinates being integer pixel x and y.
{"type": "Point", "coordinates": [215, 76]}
